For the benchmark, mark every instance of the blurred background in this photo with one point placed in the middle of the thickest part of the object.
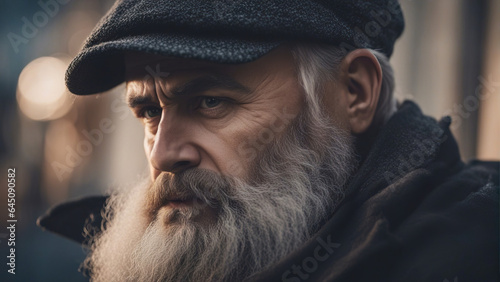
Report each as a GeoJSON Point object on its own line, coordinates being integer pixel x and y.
{"type": "Point", "coordinates": [65, 147]}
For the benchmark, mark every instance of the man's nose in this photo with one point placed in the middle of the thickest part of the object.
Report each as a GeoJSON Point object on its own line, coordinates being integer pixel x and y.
{"type": "Point", "coordinates": [173, 149]}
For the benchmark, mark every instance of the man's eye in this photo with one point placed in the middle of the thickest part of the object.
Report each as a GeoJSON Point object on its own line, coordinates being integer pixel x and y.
{"type": "Point", "coordinates": [210, 102]}
{"type": "Point", "coordinates": [151, 112]}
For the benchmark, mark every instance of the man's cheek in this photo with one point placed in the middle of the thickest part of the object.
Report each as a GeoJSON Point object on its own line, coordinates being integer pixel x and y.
{"type": "Point", "coordinates": [246, 152]}
{"type": "Point", "coordinates": [238, 165]}
{"type": "Point", "coordinates": [235, 169]}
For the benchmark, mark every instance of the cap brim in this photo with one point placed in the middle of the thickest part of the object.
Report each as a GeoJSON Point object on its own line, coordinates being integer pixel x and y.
{"type": "Point", "coordinates": [102, 67]}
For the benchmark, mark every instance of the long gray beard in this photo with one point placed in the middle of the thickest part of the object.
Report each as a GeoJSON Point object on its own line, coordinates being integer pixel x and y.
{"type": "Point", "coordinates": [297, 182]}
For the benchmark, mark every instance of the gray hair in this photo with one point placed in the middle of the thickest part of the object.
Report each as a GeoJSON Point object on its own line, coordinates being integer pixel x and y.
{"type": "Point", "coordinates": [319, 63]}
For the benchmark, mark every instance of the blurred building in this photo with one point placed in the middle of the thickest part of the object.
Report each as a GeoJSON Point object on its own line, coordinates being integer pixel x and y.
{"type": "Point", "coordinates": [448, 61]}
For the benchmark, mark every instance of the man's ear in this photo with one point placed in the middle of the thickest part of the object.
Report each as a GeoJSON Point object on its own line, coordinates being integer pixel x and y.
{"type": "Point", "coordinates": [363, 78]}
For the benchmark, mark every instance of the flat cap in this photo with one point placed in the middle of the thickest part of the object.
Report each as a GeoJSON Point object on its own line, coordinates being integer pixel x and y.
{"type": "Point", "coordinates": [226, 31]}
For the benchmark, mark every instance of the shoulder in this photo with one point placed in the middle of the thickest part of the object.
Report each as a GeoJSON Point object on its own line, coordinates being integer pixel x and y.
{"type": "Point", "coordinates": [455, 230]}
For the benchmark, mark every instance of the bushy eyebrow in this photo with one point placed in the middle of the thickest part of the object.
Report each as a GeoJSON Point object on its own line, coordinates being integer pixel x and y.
{"type": "Point", "coordinates": [198, 85]}
{"type": "Point", "coordinates": [136, 101]}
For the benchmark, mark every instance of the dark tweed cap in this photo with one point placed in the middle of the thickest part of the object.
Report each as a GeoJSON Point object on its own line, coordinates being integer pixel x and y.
{"type": "Point", "coordinates": [226, 31]}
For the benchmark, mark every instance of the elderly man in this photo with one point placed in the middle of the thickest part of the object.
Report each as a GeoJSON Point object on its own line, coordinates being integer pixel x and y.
{"type": "Point", "coordinates": [277, 151]}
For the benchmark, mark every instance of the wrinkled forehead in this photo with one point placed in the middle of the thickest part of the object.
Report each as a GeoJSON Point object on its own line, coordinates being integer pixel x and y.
{"type": "Point", "coordinates": [147, 70]}
{"type": "Point", "coordinates": [147, 74]}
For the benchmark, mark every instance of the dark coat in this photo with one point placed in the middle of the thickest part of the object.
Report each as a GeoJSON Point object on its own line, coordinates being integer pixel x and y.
{"type": "Point", "coordinates": [412, 212]}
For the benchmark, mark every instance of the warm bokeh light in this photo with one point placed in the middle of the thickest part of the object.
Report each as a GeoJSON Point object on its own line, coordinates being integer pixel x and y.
{"type": "Point", "coordinates": [41, 93]}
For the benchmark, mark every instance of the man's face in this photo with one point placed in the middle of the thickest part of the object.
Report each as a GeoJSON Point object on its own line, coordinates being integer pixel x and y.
{"type": "Point", "coordinates": [212, 116]}
{"type": "Point", "coordinates": [243, 171]}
